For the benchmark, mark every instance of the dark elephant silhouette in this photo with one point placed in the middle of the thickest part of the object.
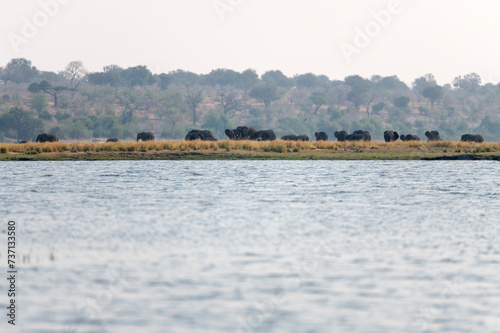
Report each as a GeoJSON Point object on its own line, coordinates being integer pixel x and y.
{"type": "Point", "coordinates": [472, 138]}
{"type": "Point", "coordinates": [241, 133]}
{"type": "Point", "coordinates": [290, 137]}
{"type": "Point", "coordinates": [204, 135]}
{"type": "Point", "coordinates": [391, 136]}
{"type": "Point", "coordinates": [145, 136]}
{"type": "Point", "coordinates": [47, 137]}
{"type": "Point", "coordinates": [293, 137]}
{"type": "Point", "coordinates": [341, 136]}
{"type": "Point", "coordinates": [433, 136]}
{"type": "Point", "coordinates": [246, 132]}
{"type": "Point", "coordinates": [321, 136]}
{"type": "Point", "coordinates": [264, 135]}
{"type": "Point", "coordinates": [410, 137]}
{"type": "Point", "coordinates": [303, 138]}
{"type": "Point", "coordinates": [112, 140]}
{"type": "Point", "coordinates": [359, 136]}
{"type": "Point", "coordinates": [232, 134]}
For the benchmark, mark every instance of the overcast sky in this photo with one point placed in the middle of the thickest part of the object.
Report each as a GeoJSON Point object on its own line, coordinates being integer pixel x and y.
{"type": "Point", "coordinates": [408, 38]}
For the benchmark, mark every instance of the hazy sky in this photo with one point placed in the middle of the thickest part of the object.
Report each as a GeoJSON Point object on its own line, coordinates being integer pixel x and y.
{"type": "Point", "coordinates": [337, 38]}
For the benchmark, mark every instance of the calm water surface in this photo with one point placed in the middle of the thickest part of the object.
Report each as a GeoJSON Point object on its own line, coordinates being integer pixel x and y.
{"type": "Point", "coordinates": [254, 246]}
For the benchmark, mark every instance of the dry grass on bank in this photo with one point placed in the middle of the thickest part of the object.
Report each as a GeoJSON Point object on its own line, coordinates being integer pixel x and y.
{"type": "Point", "coordinates": [278, 146]}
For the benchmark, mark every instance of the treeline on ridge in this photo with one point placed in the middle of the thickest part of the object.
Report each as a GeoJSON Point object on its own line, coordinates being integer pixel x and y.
{"type": "Point", "coordinates": [117, 102]}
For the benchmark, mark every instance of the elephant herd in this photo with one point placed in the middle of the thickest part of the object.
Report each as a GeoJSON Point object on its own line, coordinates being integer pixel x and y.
{"type": "Point", "coordinates": [394, 136]}
{"type": "Point", "coordinates": [431, 136]}
{"type": "Point", "coordinates": [355, 136]}
{"type": "Point", "coordinates": [251, 133]}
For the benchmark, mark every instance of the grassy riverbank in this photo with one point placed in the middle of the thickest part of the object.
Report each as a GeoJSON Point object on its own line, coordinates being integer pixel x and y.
{"type": "Point", "coordinates": [240, 150]}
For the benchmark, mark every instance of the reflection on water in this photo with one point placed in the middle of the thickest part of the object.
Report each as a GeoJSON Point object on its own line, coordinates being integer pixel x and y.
{"type": "Point", "coordinates": [255, 246]}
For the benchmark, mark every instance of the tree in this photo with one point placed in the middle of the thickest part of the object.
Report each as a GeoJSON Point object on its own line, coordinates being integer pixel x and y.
{"type": "Point", "coordinates": [47, 88]}
{"type": "Point", "coordinates": [137, 76]}
{"type": "Point", "coordinates": [354, 96]}
{"type": "Point", "coordinates": [75, 72]}
{"type": "Point", "coordinates": [391, 83]}
{"type": "Point", "coordinates": [318, 99]}
{"type": "Point", "coordinates": [265, 93]}
{"type": "Point", "coordinates": [230, 101]}
{"type": "Point", "coordinates": [378, 107]}
{"type": "Point", "coordinates": [164, 80]}
{"type": "Point", "coordinates": [419, 84]}
{"type": "Point", "coordinates": [2, 76]}
{"type": "Point", "coordinates": [308, 80]}
{"type": "Point", "coordinates": [111, 75]}
{"type": "Point", "coordinates": [222, 78]}
{"type": "Point", "coordinates": [39, 103]}
{"type": "Point", "coordinates": [173, 108]}
{"type": "Point", "coordinates": [134, 100]}
{"type": "Point", "coordinates": [338, 95]}
{"type": "Point", "coordinates": [50, 76]}
{"type": "Point", "coordinates": [357, 82]}
{"type": "Point", "coordinates": [19, 70]}
{"type": "Point", "coordinates": [470, 82]}
{"type": "Point", "coordinates": [194, 97]}
{"type": "Point", "coordinates": [277, 78]}
{"type": "Point", "coordinates": [433, 93]}
{"type": "Point", "coordinates": [362, 92]}
{"type": "Point", "coordinates": [23, 122]}
{"type": "Point", "coordinates": [401, 102]}
{"type": "Point", "coordinates": [217, 123]}
{"type": "Point", "coordinates": [184, 78]}
{"type": "Point", "coordinates": [247, 80]}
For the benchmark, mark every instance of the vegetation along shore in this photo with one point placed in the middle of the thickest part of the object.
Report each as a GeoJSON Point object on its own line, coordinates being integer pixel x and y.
{"type": "Point", "coordinates": [249, 150]}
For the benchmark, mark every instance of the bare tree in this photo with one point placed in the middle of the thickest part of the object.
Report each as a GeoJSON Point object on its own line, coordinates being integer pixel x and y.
{"type": "Point", "coordinates": [75, 72]}
{"type": "Point", "coordinates": [230, 101]}
{"type": "Point", "coordinates": [194, 96]}
{"type": "Point", "coordinates": [134, 100]}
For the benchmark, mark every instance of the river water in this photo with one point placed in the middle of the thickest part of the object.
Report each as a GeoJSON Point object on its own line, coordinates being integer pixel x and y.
{"type": "Point", "coordinates": [253, 246]}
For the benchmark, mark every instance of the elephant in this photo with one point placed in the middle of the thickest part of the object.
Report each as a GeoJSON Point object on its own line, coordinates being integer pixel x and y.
{"type": "Point", "coordinates": [341, 136]}
{"type": "Point", "coordinates": [203, 135]}
{"type": "Point", "coordinates": [232, 134]}
{"type": "Point", "coordinates": [145, 136]}
{"type": "Point", "coordinates": [264, 135]}
{"type": "Point", "coordinates": [303, 138]}
{"type": "Point", "coordinates": [24, 141]}
{"type": "Point", "coordinates": [359, 136]}
{"type": "Point", "coordinates": [391, 136]}
{"type": "Point", "coordinates": [246, 132]}
{"type": "Point", "coordinates": [241, 133]}
{"type": "Point", "coordinates": [472, 138]}
{"type": "Point", "coordinates": [293, 137]}
{"type": "Point", "coordinates": [47, 137]}
{"type": "Point", "coordinates": [112, 140]}
{"type": "Point", "coordinates": [410, 137]}
{"type": "Point", "coordinates": [321, 136]}
{"type": "Point", "coordinates": [432, 136]}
